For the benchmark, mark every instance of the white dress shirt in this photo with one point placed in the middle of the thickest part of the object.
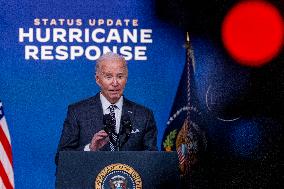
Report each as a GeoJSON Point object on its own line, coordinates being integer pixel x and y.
{"type": "Point", "coordinates": [106, 110]}
{"type": "Point", "coordinates": [117, 110]}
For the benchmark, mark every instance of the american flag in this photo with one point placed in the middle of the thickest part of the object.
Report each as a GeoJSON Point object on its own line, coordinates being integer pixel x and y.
{"type": "Point", "coordinates": [181, 154]}
{"type": "Point", "coordinates": [6, 163]}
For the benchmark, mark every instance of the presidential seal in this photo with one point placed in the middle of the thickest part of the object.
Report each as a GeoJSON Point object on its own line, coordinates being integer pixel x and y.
{"type": "Point", "coordinates": [118, 176]}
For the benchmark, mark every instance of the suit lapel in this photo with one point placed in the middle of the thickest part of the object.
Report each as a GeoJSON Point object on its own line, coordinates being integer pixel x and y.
{"type": "Point", "coordinates": [127, 109]}
{"type": "Point", "coordinates": [96, 112]}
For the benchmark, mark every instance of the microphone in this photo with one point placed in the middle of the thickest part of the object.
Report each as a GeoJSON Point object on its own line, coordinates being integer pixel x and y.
{"type": "Point", "coordinates": [126, 127]}
{"type": "Point", "coordinates": [108, 126]}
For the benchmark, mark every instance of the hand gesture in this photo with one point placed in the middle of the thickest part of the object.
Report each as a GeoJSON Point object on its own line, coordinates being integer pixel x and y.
{"type": "Point", "coordinates": [99, 140]}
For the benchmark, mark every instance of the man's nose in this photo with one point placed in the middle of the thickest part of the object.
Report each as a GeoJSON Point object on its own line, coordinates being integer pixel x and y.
{"type": "Point", "coordinates": [114, 81]}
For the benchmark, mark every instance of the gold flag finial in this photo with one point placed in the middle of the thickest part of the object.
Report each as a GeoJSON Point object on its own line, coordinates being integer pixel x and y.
{"type": "Point", "coordinates": [190, 51]}
{"type": "Point", "coordinates": [187, 37]}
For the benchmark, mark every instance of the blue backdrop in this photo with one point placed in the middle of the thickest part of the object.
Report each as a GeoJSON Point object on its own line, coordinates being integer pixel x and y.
{"type": "Point", "coordinates": [36, 93]}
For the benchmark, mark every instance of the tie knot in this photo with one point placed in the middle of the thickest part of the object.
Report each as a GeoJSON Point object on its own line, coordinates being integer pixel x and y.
{"type": "Point", "coordinates": [112, 108]}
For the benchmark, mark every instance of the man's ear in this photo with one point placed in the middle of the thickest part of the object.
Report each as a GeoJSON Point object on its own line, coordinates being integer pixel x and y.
{"type": "Point", "coordinates": [98, 81]}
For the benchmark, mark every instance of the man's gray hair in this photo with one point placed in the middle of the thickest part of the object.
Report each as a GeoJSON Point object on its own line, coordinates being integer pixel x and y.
{"type": "Point", "coordinates": [110, 56]}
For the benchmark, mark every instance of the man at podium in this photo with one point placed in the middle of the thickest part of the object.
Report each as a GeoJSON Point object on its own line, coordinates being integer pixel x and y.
{"type": "Point", "coordinates": [108, 121]}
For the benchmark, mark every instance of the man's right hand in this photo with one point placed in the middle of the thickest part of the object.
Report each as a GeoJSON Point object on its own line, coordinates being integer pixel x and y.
{"type": "Point", "coordinates": [99, 140]}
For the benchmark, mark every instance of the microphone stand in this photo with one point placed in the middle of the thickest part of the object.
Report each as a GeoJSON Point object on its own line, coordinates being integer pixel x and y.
{"type": "Point", "coordinates": [124, 132]}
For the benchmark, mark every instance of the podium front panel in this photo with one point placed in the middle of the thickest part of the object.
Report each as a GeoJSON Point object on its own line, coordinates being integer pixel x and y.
{"type": "Point", "coordinates": [80, 169]}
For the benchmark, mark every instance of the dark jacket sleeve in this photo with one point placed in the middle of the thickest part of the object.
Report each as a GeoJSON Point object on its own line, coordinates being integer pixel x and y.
{"type": "Point", "coordinates": [150, 137]}
{"type": "Point", "coordinates": [69, 139]}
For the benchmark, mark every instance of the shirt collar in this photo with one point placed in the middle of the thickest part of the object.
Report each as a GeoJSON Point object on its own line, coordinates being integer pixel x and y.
{"type": "Point", "coordinates": [106, 103]}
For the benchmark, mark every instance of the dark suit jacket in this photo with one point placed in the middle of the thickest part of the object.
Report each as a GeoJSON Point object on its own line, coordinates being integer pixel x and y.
{"type": "Point", "coordinates": [85, 118]}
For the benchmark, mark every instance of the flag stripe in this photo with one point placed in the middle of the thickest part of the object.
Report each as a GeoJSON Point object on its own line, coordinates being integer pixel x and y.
{"type": "Point", "coordinates": [4, 126]}
{"type": "Point", "coordinates": [5, 178]}
{"type": "Point", "coordinates": [1, 183]}
{"type": "Point", "coordinates": [181, 156]}
{"type": "Point", "coordinates": [6, 144]}
{"type": "Point", "coordinates": [6, 164]}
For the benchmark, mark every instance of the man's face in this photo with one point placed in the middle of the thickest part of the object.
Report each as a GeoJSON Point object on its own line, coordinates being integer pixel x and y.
{"type": "Point", "coordinates": [112, 79]}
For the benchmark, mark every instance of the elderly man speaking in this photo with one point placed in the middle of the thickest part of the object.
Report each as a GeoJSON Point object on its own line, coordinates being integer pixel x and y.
{"type": "Point", "coordinates": [108, 121]}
